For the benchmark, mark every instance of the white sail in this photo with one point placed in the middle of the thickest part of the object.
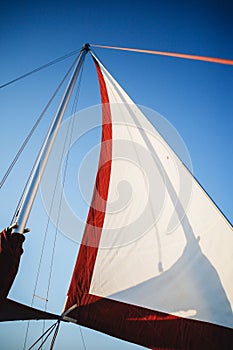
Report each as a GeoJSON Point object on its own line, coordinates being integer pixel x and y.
{"type": "Point", "coordinates": [144, 261]}
{"type": "Point", "coordinates": [154, 266]}
{"type": "Point", "coordinates": [162, 244]}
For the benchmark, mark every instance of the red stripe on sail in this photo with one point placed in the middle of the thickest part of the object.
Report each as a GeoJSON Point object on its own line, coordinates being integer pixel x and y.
{"type": "Point", "coordinates": [11, 310]}
{"type": "Point", "coordinates": [83, 271]}
{"type": "Point", "coordinates": [149, 328]}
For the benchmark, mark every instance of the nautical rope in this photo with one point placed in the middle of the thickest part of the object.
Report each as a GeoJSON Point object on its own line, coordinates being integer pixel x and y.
{"type": "Point", "coordinates": [55, 336]}
{"type": "Point", "coordinates": [25, 142]}
{"type": "Point", "coordinates": [171, 54]}
{"type": "Point", "coordinates": [44, 242]}
{"type": "Point", "coordinates": [82, 337]}
{"type": "Point", "coordinates": [56, 60]}
{"type": "Point", "coordinates": [49, 331]}
{"type": "Point", "coordinates": [70, 130]}
{"type": "Point", "coordinates": [67, 139]}
{"type": "Point", "coordinates": [65, 171]}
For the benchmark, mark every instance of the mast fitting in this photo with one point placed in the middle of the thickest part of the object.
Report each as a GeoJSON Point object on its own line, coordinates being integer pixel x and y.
{"type": "Point", "coordinates": [86, 47]}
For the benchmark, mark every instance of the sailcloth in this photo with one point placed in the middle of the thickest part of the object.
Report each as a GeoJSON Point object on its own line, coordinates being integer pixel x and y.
{"type": "Point", "coordinates": [10, 254]}
{"type": "Point", "coordinates": [155, 263]}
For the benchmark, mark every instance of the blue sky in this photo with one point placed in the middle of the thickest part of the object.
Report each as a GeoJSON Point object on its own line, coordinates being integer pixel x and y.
{"type": "Point", "coordinates": [195, 97]}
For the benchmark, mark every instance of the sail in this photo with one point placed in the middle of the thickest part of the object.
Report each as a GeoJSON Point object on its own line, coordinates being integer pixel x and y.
{"type": "Point", "coordinates": [10, 254]}
{"type": "Point", "coordinates": [12, 238]}
{"type": "Point", "coordinates": [11, 310]}
{"type": "Point", "coordinates": [155, 263]}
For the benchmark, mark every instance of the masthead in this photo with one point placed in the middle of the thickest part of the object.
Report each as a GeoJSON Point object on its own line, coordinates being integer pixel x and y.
{"type": "Point", "coordinates": [86, 47]}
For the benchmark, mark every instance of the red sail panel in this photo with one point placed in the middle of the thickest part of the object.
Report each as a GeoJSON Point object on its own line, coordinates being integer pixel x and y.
{"type": "Point", "coordinates": [10, 253]}
{"type": "Point", "coordinates": [81, 280]}
{"type": "Point", "coordinates": [148, 328]}
{"type": "Point", "coordinates": [11, 310]}
{"type": "Point", "coordinates": [134, 279]}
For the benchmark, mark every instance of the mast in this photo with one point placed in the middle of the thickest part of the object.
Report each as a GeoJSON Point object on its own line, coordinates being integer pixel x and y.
{"type": "Point", "coordinates": [24, 207]}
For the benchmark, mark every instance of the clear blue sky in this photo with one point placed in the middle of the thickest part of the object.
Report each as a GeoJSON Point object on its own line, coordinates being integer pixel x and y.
{"type": "Point", "coordinates": [195, 97]}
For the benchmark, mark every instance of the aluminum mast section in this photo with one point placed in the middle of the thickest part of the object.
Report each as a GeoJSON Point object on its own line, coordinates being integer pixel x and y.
{"type": "Point", "coordinates": [24, 207]}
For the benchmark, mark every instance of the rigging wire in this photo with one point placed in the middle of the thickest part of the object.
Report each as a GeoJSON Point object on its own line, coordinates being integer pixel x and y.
{"type": "Point", "coordinates": [71, 126]}
{"type": "Point", "coordinates": [171, 54]}
{"type": "Point", "coordinates": [25, 142]}
{"type": "Point", "coordinates": [68, 137]}
{"type": "Point", "coordinates": [55, 335]}
{"type": "Point", "coordinates": [45, 237]}
{"type": "Point", "coordinates": [67, 140]}
{"type": "Point", "coordinates": [56, 60]}
{"type": "Point", "coordinates": [49, 331]}
{"type": "Point", "coordinates": [82, 337]}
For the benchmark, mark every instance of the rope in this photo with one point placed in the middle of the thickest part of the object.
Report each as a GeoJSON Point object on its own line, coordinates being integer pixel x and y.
{"type": "Point", "coordinates": [68, 137]}
{"type": "Point", "coordinates": [56, 60]}
{"type": "Point", "coordinates": [49, 331]}
{"type": "Point", "coordinates": [65, 170]}
{"type": "Point", "coordinates": [25, 142]}
{"type": "Point", "coordinates": [171, 54]}
{"type": "Point", "coordinates": [70, 131]}
{"type": "Point", "coordinates": [46, 230]}
{"type": "Point", "coordinates": [59, 211]}
{"type": "Point", "coordinates": [43, 246]}
{"type": "Point", "coordinates": [55, 336]}
{"type": "Point", "coordinates": [82, 337]}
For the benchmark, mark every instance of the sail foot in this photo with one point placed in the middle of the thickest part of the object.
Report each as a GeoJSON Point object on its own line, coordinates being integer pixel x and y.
{"type": "Point", "coordinates": [10, 253]}
{"type": "Point", "coordinates": [149, 328]}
